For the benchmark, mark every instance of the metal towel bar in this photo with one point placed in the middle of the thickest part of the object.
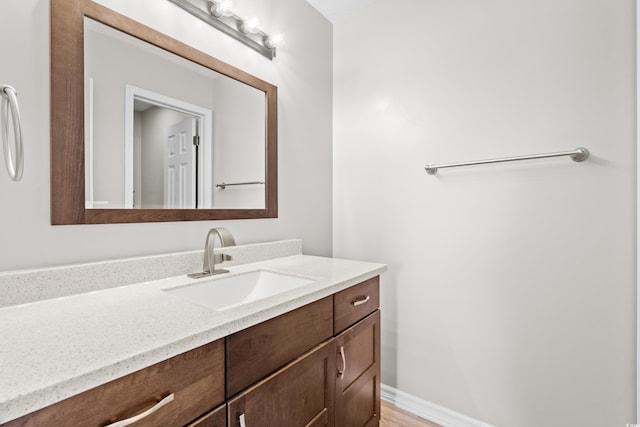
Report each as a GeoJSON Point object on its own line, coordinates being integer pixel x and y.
{"type": "Point", "coordinates": [14, 159]}
{"type": "Point", "coordinates": [224, 185]}
{"type": "Point", "coordinates": [580, 154]}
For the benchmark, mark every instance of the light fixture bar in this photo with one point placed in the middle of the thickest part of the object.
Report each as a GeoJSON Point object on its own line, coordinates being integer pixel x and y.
{"type": "Point", "coordinates": [260, 47]}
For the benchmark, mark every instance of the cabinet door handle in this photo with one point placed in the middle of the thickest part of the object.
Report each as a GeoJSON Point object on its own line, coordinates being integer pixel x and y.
{"type": "Point", "coordinates": [359, 301]}
{"type": "Point", "coordinates": [344, 363]}
{"type": "Point", "coordinates": [242, 421]}
{"type": "Point", "coordinates": [144, 414]}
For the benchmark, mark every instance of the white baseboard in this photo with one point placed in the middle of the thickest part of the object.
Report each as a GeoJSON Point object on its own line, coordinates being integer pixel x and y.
{"type": "Point", "coordinates": [428, 410]}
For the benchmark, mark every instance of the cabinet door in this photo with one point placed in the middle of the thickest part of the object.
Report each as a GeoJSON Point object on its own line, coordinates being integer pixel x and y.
{"type": "Point", "coordinates": [358, 378]}
{"type": "Point", "coordinates": [299, 395]}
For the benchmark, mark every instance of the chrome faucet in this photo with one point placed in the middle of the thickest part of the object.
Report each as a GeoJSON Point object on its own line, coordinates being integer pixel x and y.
{"type": "Point", "coordinates": [210, 258]}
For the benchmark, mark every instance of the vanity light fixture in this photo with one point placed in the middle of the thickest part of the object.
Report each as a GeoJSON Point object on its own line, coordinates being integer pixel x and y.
{"type": "Point", "coordinates": [221, 15]}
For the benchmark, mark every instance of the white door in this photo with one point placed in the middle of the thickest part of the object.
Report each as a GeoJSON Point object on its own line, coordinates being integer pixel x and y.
{"type": "Point", "coordinates": [179, 165]}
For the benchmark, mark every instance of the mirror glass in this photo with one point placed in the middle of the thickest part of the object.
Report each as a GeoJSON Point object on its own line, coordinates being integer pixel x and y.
{"type": "Point", "coordinates": [162, 132]}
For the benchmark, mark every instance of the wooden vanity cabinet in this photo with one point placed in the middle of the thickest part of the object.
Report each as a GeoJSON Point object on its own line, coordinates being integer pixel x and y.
{"type": "Point", "coordinates": [195, 379]}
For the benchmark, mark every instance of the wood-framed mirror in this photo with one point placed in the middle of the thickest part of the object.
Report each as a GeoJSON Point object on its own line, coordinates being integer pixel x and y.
{"type": "Point", "coordinates": [78, 112]}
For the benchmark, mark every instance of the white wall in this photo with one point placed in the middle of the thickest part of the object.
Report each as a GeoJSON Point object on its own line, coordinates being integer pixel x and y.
{"type": "Point", "coordinates": [510, 295]}
{"type": "Point", "coordinates": [238, 149]}
{"type": "Point", "coordinates": [302, 71]}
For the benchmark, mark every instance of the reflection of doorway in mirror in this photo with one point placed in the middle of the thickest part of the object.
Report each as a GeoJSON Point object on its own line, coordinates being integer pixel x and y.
{"type": "Point", "coordinates": [150, 181]}
{"type": "Point", "coordinates": [164, 173]}
{"type": "Point", "coordinates": [180, 156]}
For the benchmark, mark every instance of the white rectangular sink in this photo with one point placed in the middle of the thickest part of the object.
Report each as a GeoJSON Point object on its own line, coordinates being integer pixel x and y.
{"type": "Point", "coordinates": [223, 293]}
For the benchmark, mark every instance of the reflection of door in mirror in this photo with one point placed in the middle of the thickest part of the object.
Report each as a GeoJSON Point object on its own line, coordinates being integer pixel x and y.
{"type": "Point", "coordinates": [179, 165]}
{"type": "Point", "coordinates": [158, 176]}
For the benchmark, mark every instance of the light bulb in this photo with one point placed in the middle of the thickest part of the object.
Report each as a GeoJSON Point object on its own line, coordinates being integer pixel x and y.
{"type": "Point", "coordinates": [220, 8]}
{"type": "Point", "coordinates": [250, 25]}
{"type": "Point", "coordinates": [272, 41]}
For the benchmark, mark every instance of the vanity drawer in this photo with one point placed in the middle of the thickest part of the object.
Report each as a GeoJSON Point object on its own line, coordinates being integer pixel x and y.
{"type": "Point", "coordinates": [355, 303]}
{"type": "Point", "coordinates": [195, 379]}
{"type": "Point", "coordinates": [256, 352]}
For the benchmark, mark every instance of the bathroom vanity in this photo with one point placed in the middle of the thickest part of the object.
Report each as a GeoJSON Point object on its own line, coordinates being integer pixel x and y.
{"type": "Point", "coordinates": [115, 350]}
{"type": "Point", "coordinates": [305, 357]}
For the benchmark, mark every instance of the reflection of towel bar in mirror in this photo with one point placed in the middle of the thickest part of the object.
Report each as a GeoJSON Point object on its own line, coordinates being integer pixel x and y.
{"type": "Point", "coordinates": [224, 185]}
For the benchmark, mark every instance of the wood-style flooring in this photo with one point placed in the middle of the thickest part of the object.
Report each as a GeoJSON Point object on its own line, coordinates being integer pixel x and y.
{"type": "Point", "coordinates": [391, 416]}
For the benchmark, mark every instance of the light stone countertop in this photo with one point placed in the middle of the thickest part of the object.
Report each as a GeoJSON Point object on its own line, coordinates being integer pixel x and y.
{"type": "Point", "coordinates": [54, 349]}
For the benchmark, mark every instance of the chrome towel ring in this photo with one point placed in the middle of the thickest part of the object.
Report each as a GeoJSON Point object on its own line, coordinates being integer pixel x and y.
{"type": "Point", "coordinates": [13, 156]}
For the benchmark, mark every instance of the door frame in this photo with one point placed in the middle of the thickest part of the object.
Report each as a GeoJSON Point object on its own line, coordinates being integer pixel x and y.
{"type": "Point", "coordinates": [637, 211]}
{"type": "Point", "coordinates": [205, 131]}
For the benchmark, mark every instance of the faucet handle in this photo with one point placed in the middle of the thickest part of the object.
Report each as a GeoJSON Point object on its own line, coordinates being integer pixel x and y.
{"type": "Point", "coordinates": [218, 258]}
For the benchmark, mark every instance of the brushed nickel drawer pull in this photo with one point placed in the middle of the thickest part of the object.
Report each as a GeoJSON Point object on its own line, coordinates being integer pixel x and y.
{"type": "Point", "coordinates": [242, 421]}
{"type": "Point", "coordinates": [144, 414]}
{"type": "Point", "coordinates": [360, 300]}
{"type": "Point", "coordinates": [344, 363]}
